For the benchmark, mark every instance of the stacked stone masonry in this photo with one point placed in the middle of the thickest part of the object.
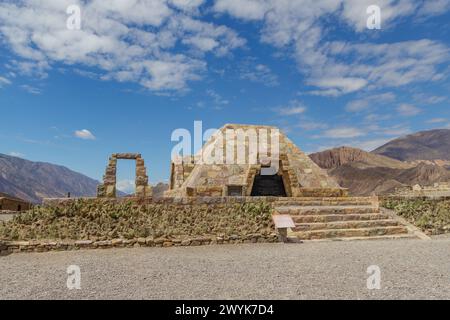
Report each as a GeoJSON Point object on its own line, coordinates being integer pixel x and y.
{"type": "Point", "coordinates": [12, 204]}
{"type": "Point", "coordinates": [297, 173]}
{"type": "Point", "coordinates": [62, 202]}
{"type": "Point", "coordinates": [9, 247]}
{"type": "Point", "coordinates": [341, 219]}
{"type": "Point", "coordinates": [438, 190]}
{"type": "Point", "coordinates": [108, 188]}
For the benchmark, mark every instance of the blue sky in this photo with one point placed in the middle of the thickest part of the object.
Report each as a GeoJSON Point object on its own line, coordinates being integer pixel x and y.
{"type": "Point", "coordinates": [138, 70]}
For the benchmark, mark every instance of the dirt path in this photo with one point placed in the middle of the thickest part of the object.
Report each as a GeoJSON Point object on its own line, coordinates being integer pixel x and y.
{"type": "Point", "coordinates": [410, 269]}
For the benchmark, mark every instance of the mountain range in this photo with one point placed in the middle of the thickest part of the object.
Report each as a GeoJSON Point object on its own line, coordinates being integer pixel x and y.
{"type": "Point", "coordinates": [33, 181]}
{"type": "Point", "coordinates": [421, 158]}
{"type": "Point", "coordinates": [425, 145]}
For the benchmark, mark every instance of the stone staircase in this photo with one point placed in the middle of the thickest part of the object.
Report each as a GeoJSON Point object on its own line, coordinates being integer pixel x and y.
{"type": "Point", "coordinates": [345, 218]}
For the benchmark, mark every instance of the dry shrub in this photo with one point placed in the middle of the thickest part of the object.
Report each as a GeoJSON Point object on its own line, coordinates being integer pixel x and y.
{"type": "Point", "coordinates": [432, 216]}
{"type": "Point", "coordinates": [94, 220]}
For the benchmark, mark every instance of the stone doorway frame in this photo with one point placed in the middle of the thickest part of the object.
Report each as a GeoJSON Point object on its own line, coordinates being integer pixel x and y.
{"type": "Point", "coordinates": [283, 171]}
{"type": "Point", "coordinates": [282, 180]}
{"type": "Point", "coordinates": [108, 188]}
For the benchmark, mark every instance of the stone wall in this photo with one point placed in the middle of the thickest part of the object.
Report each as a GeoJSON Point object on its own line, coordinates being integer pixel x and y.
{"type": "Point", "coordinates": [104, 223]}
{"type": "Point", "coordinates": [438, 190]}
{"type": "Point", "coordinates": [7, 204]}
{"type": "Point", "coordinates": [324, 194]}
{"type": "Point", "coordinates": [8, 247]}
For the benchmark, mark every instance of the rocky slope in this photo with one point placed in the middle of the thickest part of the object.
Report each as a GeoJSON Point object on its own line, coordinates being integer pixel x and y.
{"type": "Point", "coordinates": [425, 145]}
{"type": "Point", "coordinates": [364, 173]}
{"type": "Point", "coordinates": [337, 157]}
{"type": "Point", "coordinates": [33, 181]}
{"type": "Point", "coordinates": [424, 174]}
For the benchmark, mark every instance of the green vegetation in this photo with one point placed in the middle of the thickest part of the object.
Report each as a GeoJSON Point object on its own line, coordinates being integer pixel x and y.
{"type": "Point", "coordinates": [432, 216]}
{"type": "Point", "coordinates": [93, 220]}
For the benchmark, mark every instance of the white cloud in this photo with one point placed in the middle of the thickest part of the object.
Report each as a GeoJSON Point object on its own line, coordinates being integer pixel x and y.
{"type": "Point", "coordinates": [187, 5]}
{"type": "Point", "coordinates": [84, 134]}
{"type": "Point", "coordinates": [126, 186]}
{"type": "Point", "coordinates": [151, 42]}
{"type": "Point", "coordinates": [395, 131]}
{"type": "Point", "coordinates": [343, 133]}
{"type": "Point", "coordinates": [334, 67]}
{"type": "Point", "coordinates": [434, 7]}
{"type": "Point", "coordinates": [395, 64]}
{"type": "Point", "coordinates": [172, 74]}
{"type": "Point", "coordinates": [437, 120]}
{"type": "Point", "coordinates": [16, 154]}
{"type": "Point", "coordinates": [408, 110]}
{"type": "Point", "coordinates": [259, 73]}
{"type": "Point", "coordinates": [429, 99]}
{"type": "Point", "coordinates": [369, 102]}
{"type": "Point", "coordinates": [4, 81]}
{"type": "Point", "coordinates": [354, 12]}
{"type": "Point", "coordinates": [205, 36]}
{"type": "Point", "coordinates": [337, 86]}
{"type": "Point", "coordinates": [248, 9]}
{"type": "Point", "coordinates": [311, 125]}
{"type": "Point", "coordinates": [31, 89]}
{"type": "Point", "coordinates": [295, 107]}
{"type": "Point", "coordinates": [375, 117]}
{"type": "Point", "coordinates": [218, 101]}
{"type": "Point", "coordinates": [357, 105]}
{"type": "Point", "coordinates": [161, 44]}
{"type": "Point", "coordinates": [37, 69]}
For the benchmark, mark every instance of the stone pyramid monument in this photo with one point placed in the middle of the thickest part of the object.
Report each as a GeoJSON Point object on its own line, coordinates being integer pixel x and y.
{"type": "Point", "coordinates": [272, 166]}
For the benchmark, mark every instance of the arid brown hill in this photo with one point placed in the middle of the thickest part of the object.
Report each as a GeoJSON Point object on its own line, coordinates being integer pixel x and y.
{"type": "Point", "coordinates": [364, 173]}
{"type": "Point", "coordinates": [337, 157]}
{"type": "Point", "coordinates": [33, 181]}
{"type": "Point", "coordinates": [424, 174]}
{"type": "Point", "coordinates": [425, 145]}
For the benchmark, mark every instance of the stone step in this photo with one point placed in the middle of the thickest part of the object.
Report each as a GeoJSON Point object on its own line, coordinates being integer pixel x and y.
{"type": "Point", "coordinates": [347, 233]}
{"type": "Point", "coordinates": [339, 217]}
{"type": "Point", "coordinates": [337, 199]}
{"type": "Point", "coordinates": [352, 224]}
{"type": "Point", "coordinates": [324, 202]}
{"type": "Point", "coordinates": [317, 210]}
{"type": "Point", "coordinates": [385, 237]}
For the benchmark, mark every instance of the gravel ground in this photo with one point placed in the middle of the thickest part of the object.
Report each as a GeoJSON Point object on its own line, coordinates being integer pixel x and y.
{"type": "Point", "coordinates": [410, 269]}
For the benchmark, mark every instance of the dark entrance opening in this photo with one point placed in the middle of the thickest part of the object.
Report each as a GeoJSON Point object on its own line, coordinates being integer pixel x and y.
{"type": "Point", "coordinates": [19, 208]}
{"type": "Point", "coordinates": [265, 186]}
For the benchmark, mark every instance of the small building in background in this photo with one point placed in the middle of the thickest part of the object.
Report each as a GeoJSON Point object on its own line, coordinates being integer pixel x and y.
{"type": "Point", "coordinates": [10, 203]}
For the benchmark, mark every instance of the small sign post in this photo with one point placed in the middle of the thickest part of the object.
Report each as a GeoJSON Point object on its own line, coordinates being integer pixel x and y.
{"type": "Point", "coordinates": [282, 223]}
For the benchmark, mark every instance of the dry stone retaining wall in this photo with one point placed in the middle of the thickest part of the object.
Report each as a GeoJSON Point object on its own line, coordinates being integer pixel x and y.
{"type": "Point", "coordinates": [8, 247]}
{"type": "Point", "coordinates": [439, 190]}
{"type": "Point", "coordinates": [115, 223]}
{"type": "Point", "coordinates": [326, 195]}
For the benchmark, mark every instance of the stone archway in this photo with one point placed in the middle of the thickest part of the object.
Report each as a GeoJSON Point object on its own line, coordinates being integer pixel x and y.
{"type": "Point", "coordinates": [108, 188]}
